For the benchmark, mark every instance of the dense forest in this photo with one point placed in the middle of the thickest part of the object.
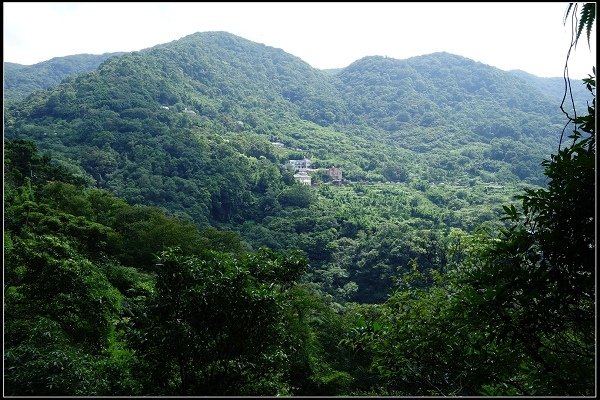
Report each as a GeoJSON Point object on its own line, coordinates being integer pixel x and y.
{"type": "Point", "coordinates": [157, 242]}
{"type": "Point", "coordinates": [21, 80]}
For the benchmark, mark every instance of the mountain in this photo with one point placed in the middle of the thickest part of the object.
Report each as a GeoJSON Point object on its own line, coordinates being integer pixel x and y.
{"type": "Point", "coordinates": [555, 89]}
{"type": "Point", "coordinates": [443, 103]}
{"type": "Point", "coordinates": [440, 90]}
{"type": "Point", "coordinates": [431, 143]}
{"type": "Point", "coordinates": [442, 117]}
{"type": "Point", "coordinates": [21, 80]}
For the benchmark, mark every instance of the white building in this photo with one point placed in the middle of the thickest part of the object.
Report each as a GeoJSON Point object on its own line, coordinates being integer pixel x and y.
{"type": "Point", "coordinates": [303, 178]}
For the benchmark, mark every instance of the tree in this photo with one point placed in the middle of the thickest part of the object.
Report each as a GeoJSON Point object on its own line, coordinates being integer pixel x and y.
{"type": "Point", "coordinates": [60, 312]}
{"type": "Point", "coordinates": [538, 278]}
{"type": "Point", "coordinates": [216, 325]}
{"type": "Point", "coordinates": [517, 316]}
{"type": "Point", "coordinates": [587, 18]}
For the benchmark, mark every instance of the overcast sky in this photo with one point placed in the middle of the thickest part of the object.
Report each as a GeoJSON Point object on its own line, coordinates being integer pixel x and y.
{"type": "Point", "coordinates": [526, 36]}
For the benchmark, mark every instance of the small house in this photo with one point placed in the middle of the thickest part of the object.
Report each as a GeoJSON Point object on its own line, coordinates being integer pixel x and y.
{"type": "Point", "coordinates": [303, 178]}
{"type": "Point", "coordinates": [300, 165]}
{"type": "Point", "coordinates": [335, 174]}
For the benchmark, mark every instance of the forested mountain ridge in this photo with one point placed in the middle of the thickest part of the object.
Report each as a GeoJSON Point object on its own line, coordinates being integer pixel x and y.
{"type": "Point", "coordinates": [426, 107]}
{"type": "Point", "coordinates": [440, 103]}
{"type": "Point", "coordinates": [555, 88]}
{"type": "Point", "coordinates": [438, 89]}
{"type": "Point", "coordinates": [187, 126]}
{"type": "Point", "coordinates": [407, 281]}
{"type": "Point", "coordinates": [21, 80]}
{"type": "Point", "coordinates": [252, 76]}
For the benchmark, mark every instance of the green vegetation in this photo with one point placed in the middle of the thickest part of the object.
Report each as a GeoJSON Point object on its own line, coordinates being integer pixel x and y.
{"type": "Point", "coordinates": [156, 243]}
{"type": "Point", "coordinates": [21, 80]}
{"type": "Point", "coordinates": [555, 87]}
{"type": "Point", "coordinates": [187, 126]}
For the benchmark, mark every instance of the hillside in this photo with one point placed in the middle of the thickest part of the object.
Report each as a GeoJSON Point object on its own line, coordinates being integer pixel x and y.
{"type": "Point", "coordinates": [21, 80]}
{"type": "Point", "coordinates": [440, 104]}
{"type": "Point", "coordinates": [452, 90]}
{"type": "Point", "coordinates": [555, 89]}
{"type": "Point", "coordinates": [187, 126]}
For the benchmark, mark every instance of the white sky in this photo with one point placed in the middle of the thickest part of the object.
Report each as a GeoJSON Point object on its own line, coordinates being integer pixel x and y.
{"type": "Point", "coordinates": [526, 36]}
